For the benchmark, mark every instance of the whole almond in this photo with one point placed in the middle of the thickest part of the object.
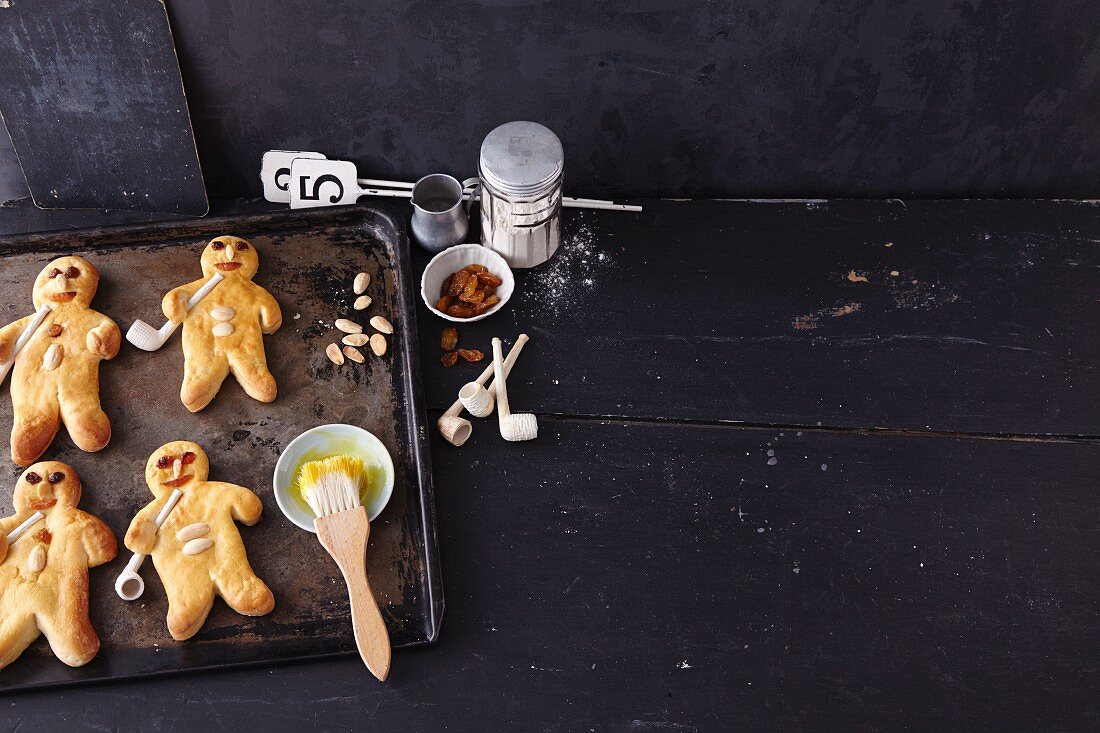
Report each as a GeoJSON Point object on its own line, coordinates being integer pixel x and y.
{"type": "Point", "coordinates": [52, 358]}
{"type": "Point", "coordinates": [362, 302]}
{"type": "Point", "coordinates": [362, 280]}
{"type": "Point", "coordinates": [332, 351]}
{"type": "Point", "coordinates": [348, 326]}
{"type": "Point", "coordinates": [354, 354]}
{"type": "Point", "coordinates": [381, 325]}
{"type": "Point", "coordinates": [196, 546]}
{"type": "Point", "coordinates": [37, 559]}
{"type": "Point", "coordinates": [192, 531]}
{"type": "Point", "coordinates": [222, 329]}
{"type": "Point", "coordinates": [355, 339]}
{"type": "Point", "coordinates": [222, 313]}
{"type": "Point", "coordinates": [378, 344]}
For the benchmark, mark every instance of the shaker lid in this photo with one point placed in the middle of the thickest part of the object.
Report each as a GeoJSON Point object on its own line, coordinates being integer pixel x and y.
{"type": "Point", "coordinates": [521, 157]}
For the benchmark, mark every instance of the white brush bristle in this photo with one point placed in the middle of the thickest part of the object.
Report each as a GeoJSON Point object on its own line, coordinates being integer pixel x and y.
{"type": "Point", "coordinates": [331, 484]}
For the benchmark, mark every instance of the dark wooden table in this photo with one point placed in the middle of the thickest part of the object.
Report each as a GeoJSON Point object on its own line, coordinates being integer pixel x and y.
{"type": "Point", "coordinates": [802, 465]}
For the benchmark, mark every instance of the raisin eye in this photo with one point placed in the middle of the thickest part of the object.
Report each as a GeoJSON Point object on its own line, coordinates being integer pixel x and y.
{"type": "Point", "coordinates": [72, 272]}
{"type": "Point", "coordinates": [32, 478]}
{"type": "Point", "coordinates": [217, 245]}
{"type": "Point", "coordinates": [56, 477]}
{"type": "Point", "coordinates": [187, 458]}
{"type": "Point", "coordinates": [242, 246]}
{"type": "Point", "coordinates": [164, 461]}
{"type": "Point", "coordinates": [54, 273]}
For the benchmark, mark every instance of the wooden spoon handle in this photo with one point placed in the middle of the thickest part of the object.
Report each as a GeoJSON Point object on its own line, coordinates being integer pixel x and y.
{"type": "Point", "coordinates": [344, 535]}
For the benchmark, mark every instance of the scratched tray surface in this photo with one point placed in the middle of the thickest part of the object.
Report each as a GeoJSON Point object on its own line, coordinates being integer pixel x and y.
{"type": "Point", "coordinates": [307, 261]}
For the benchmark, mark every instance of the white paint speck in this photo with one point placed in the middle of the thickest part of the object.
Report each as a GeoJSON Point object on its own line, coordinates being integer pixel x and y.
{"type": "Point", "coordinates": [683, 665]}
{"type": "Point", "coordinates": [824, 466]}
{"type": "Point", "coordinates": [772, 461]}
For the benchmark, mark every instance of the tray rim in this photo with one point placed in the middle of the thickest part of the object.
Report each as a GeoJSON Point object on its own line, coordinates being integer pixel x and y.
{"type": "Point", "coordinates": [371, 215]}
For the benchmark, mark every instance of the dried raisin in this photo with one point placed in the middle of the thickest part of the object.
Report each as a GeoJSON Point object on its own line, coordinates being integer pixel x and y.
{"type": "Point", "coordinates": [459, 283]}
{"type": "Point", "coordinates": [477, 297]}
{"type": "Point", "coordinates": [470, 355]}
{"type": "Point", "coordinates": [469, 289]}
{"type": "Point", "coordinates": [461, 310]}
{"type": "Point", "coordinates": [444, 303]}
{"type": "Point", "coordinates": [449, 340]}
{"type": "Point", "coordinates": [447, 284]}
{"type": "Point", "coordinates": [449, 359]}
{"type": "Point", "coordinates": [487, 304]}
{"type": "Point", "coordinates": [488, 278]}
{"type": "Point", "coordinates": [475, 268]}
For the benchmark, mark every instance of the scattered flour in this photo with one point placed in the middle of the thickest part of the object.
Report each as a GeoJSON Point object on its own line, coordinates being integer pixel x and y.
{"type": "Point", "coordinates": [560, 285]}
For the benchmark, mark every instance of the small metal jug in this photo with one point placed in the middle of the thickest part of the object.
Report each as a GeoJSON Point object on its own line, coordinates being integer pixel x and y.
{"type": "Point", "coordinates": [440, 220]}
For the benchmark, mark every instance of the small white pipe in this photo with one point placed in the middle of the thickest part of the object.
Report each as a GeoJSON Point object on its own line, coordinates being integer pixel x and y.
{"type": "Point", "coordinates": [456, 430]}
{"type": "Point", "coordinates": [24, 337]}
{"type": "Point", "coordinates": [129, 584]}
{"type": "Point", "coordinates": [478, 400]}
{"type": "Point", "coordinates": [22, 528]}
{"type": "Point", "coordinates": [522, 426]}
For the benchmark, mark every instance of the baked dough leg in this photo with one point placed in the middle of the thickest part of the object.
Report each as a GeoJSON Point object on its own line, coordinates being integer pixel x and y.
{"type": "Point", "coordinates": [250, 368]}
{"type": "Point", "coordinates": [243, 590]}
{"type": "Point", "coordinates": [84, 418]}
{"type": "Point", "coordinates": [202, 378]}
{"type": "Point", "coordinates": [188, 607]}
{"type": "Point", "coordinates": [17, 631]}
{"type": "Point", "coordinates": [68, 628]}
{"type": "Point", "coordinates": [37, 418]}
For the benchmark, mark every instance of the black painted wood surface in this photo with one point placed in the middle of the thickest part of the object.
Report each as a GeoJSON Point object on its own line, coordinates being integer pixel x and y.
{"type": "Point", "coordinates": [613, 575]}
{"type": "Point", "coordinates": [94, 104]}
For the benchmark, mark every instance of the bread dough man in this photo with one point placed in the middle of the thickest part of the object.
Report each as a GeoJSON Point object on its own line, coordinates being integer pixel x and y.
{"type": "Point", "coordinates": [44, 574]}
{"type": "Point", "coordinates": [223, 333]}
{"type": "Point", "coordinates": [198, 552]}
{"type": "Point", "coordinates": [56, 375]}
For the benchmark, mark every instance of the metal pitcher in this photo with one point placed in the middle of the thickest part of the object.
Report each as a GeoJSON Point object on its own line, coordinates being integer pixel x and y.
{"type": "Point", "coordinates": [440, 220]}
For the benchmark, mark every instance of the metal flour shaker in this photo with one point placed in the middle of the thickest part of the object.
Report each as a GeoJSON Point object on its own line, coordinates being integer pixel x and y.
{"type": "Point", "coordinates": [521, 169]}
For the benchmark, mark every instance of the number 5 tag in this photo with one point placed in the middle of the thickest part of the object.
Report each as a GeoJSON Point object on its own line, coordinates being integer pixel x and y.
{"type": "Point", "coordinates": [275, 172]}
{"type": "Point", "coordinates": [322, 183]}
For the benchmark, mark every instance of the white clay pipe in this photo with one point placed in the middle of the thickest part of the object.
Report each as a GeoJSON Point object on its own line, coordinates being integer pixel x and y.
{"type": "Point", "coordinates": [22, 528]}
{"type": "Point", "coordinates": [147, 338]}
{"type": "Point", "coordinates": [456, 430]}
{"type": "Point", "coordinates": [24, 337]}
{"type": "Point", "coordinates": [129, 584]}
{"type": "Point", "coordinates": [522, 426]}
{"type": "Point", "coordinates": [478, 400]}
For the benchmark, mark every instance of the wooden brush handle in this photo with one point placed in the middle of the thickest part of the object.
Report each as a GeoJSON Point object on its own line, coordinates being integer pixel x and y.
{"type": "Point", "coordinates": [344, 535]}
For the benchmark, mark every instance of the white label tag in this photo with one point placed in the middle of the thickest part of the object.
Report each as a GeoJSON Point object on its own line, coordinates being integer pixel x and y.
{"type": "Point", "coordinates": [322, 183]}
{"type": "Point", "coordinates": [275, 172]}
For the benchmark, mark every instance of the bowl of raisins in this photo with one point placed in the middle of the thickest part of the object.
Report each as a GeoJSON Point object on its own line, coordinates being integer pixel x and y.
{"type": "Point", "coordinates": [467, 282]}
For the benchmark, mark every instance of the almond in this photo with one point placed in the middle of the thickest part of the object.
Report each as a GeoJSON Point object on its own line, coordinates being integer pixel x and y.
{"type": "Point", "coordinates": [378, 344]}
{"type": "Point", "coordinates": [362, 302]}
{"type": "Point", "coordinates": [196, 546]}
{"type": "Point", "coordinates": [222, 329]}
{"type": "Point", "coordinates": [348, 326]}
{"type": "Point", "coordinates": [381, 324]}
{"type": "Point", "coordinates": [222, 313]}
{"type": "Point", "coordinates": [355, 339]}
{"type": "Point", "coordinates": [362, 280]}
{"type": "Point", "coordinates": [37, 559]}
{"type": "Point", "coordinates": [52, 358]}
{"type": "Point", "coordinates": [332, 351]}
{"type": "Point", "coordinates": [192, 531]}
{"type": "Point", "coordinates": [354, 354]}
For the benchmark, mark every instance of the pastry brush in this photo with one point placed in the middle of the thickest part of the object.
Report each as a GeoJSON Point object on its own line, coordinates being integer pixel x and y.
{"type": "Point", "coordinates": [331, 488]}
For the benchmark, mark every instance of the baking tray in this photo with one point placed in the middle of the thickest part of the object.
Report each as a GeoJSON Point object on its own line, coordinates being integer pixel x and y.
{"type": "Point", "coordinates": [307, 261]}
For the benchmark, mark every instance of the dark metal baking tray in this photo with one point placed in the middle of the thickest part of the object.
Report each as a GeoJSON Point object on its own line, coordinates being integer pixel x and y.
{"type": "Point", "coordinates": [307, 261]}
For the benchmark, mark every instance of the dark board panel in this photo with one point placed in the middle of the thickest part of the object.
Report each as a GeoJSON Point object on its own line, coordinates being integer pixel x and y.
{"type": "Point", "coordinates": [94, 104]}
{"type": "Point", "coordinates": [616, 577]}
{"type": "Point", "coordinates": [661, 97]}
{"type": "Point", "coordinates": [12, 184]}
{"type": "Point", "coordinates": [741, 311]}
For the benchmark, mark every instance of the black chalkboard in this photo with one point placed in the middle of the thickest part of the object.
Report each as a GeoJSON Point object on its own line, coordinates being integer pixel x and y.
{"type": "Point", "coordinates": [92, 98]}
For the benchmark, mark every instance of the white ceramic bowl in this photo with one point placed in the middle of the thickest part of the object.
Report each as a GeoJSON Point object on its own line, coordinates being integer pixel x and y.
{"type": "Point", "coordinates": [453, 260]}
{"type": "Point", "coordinates": [321, 442]}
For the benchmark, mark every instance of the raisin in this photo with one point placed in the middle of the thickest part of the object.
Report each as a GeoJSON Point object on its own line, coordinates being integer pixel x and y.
{"type": "Point", "coordinates": [475, 268]}
{"type": "Point", "coordinates": [54, 330]}
{"type": "Point", "coordinates": [32, 478]}
{"type": "Point", "coordinates": [187, 458]}
{"type": "Point", "coordinates": [42, 503]}
{"type": "Point", "coordinates": [477, 297]}
{"type": "Point", "coordinates": [448, 360]}
{"type": "Point", "coordinates": [469, 289]}
{"type": "Point", "coordinates": [56, 477]}
{"type": "Point", "coordinates": [461, 310]}
{"type": "Point", "coordinates": [43, 535]}
{"type": "Point", "coordinates": [444, 303]}
{"type": "Point", "coordinates": [449, 340]}
{"type": "Point", "coordinates": [447, 284]}
{"type": "Point", "coordinates": [488, 278]}
{"type": "Point", "coordinates": [470, 355]}
{"type": "Point", "coordinates": [458, 283]}
{"type": "Point", "coordinates": [164, 461]}
{"type": "Point", "coordinates": [486, 304]}
{"type": "Point", "coordinates": [72, 272]}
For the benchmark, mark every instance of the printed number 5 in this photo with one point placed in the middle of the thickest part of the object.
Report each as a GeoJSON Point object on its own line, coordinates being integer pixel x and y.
{"type": "Point", "coordinates": [317, 183]}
